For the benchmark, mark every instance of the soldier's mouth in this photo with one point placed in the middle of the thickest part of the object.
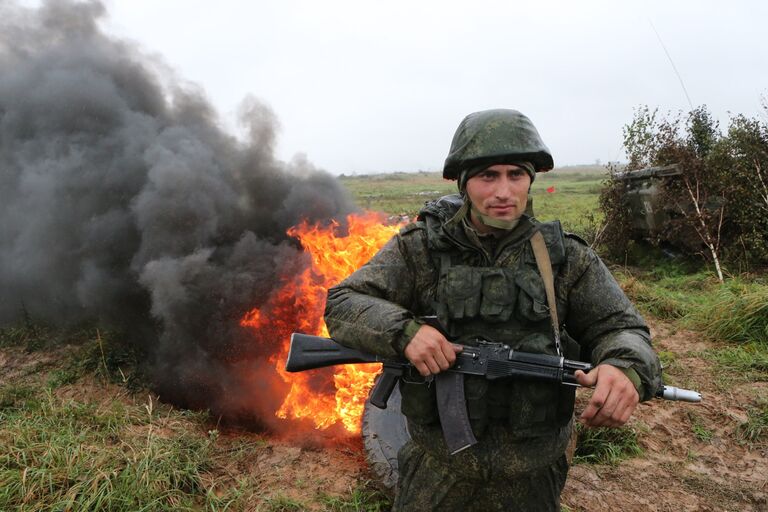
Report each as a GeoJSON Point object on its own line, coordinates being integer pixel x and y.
{"type": "Point", "coordinates": [503, 209]}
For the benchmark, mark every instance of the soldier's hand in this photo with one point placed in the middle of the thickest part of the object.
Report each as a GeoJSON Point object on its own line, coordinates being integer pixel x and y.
{"type": "Point", "coordinates": [430, 352]}
{"type": "Point", "coordinates": [613, 400]}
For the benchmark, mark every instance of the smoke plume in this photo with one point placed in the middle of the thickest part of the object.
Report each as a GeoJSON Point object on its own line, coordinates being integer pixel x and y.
{"type": "Point", "coordinates": [122, 200]}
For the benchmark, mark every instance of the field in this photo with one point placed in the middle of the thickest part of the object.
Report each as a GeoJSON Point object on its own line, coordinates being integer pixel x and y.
{"type": "Point", "coordinates": [78, 431]}
{"type": "Point", "coordinates": [575, 193]}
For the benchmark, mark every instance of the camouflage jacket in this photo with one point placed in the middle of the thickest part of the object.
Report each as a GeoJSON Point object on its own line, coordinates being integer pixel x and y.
{"type": "Point", "coordinates": [374, 309]}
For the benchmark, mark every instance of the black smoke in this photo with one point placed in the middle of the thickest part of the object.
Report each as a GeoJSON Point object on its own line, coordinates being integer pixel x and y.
{"type": "Point", "coordinates": [122, 200]}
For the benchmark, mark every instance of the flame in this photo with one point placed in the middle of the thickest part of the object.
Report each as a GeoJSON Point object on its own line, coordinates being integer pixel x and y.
{"type": "Point", "coordinates": [298, 306]}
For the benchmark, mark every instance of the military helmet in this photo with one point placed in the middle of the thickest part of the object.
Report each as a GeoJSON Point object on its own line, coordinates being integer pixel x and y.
{"type": "Point", "coordinates": [496, 137]}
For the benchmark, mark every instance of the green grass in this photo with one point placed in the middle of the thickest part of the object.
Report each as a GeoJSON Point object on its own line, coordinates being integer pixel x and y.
{"type": "Point", "coordinates": [743, 362]}
{"type": "Point", "coordinates": [736, 312]}
{"type": "Point", "coordinates": [755, 429]}
{"type": "Point", "coordinates": [361, 499]}
{"type": "Point", "coordinates": [61, 454]}
{"type": "Point", "coordinates": [397, 193]}
{"type": "Point", "coordinates": [668, 290]}
{"type": "Point", "coordinates": [699, 428]}
{"type": "Point", "coordinates": [605, 445]}
{"type": "Point", "coordinates": [281, 503]}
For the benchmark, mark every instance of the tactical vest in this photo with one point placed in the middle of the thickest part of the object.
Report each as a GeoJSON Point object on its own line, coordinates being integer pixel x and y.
{"type": "Point", "coordinates": [508, 304]}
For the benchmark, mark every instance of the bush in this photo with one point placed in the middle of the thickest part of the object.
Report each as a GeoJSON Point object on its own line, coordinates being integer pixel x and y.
{"type": "Point", "coordinates": [718, 206]}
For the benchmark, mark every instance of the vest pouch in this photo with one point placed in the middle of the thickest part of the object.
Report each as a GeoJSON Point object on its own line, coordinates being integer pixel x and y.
{"type": "Point", "coordinates": [499, 295]}
{"type": "Point", "coordinates": [459, 290]}
{"type": "Point", "coordinates": [531, 298]}
{"type": "Point", "coordinates": [535, 407]}
{"type": "Point", "coordinates": [418, 402]}
{"type": "Point", "coordinates": [539, 405]}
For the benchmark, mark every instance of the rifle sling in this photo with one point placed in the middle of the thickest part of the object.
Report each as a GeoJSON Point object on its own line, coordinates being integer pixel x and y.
{"type": "Point", "coordinates": [541, 254]}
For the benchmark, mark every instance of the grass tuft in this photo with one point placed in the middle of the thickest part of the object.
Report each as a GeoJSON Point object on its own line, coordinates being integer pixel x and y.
{"type": "Point", "coordinates": [749, 361]}
{"type": "Point", "coordinates": [654, 300]}
{"type": "Point", "coordinates": [755, 429]}
{"type": "Point", "coordinates": [699, 428]}
{"type": "Point", "coordinates": [280, 503]}
{"type": "Point", "coordinates": [362, 499]}
{"type": "Point", "coordinates": [605, 445]}
{"type": "Point", "coordinates": [738, 312]}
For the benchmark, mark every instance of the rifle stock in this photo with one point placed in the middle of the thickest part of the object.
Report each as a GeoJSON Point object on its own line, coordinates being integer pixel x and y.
{"type": "Point", "coordinates": [308, 352]}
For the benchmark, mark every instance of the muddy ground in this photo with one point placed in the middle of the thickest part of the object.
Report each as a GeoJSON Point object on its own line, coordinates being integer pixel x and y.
{"type": "Point", "coordinates": [693, 460]}
{"type": "Point", "coordinates": [680, 470]}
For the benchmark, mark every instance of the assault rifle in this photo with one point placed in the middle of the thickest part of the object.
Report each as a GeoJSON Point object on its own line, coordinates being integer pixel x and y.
{"type": "Point", "coordinates": [489, 359]}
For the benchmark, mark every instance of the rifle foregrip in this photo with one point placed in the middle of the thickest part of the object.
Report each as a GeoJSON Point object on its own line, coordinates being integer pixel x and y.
{"type": "Point", "coordinates": [383, 388]}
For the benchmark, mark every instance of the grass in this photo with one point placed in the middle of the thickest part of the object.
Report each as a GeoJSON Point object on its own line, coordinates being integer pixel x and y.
{"type": "Point", "coordinates": [755, 430]}
{"type": "Point", "coordinates": [734, 312]}
{"type": "Point", "coordinates": [737, 312]}
{"type": "Point", "coordinates": [397, 193]}
{"type": "Point", "coordinates": [605, 445]}
{"type": "Point", "coordinates": [742, 362]}
{"type": "Point", "coordinates": [699, 428]}
{"type": "Point", "coordinates": [61, 454]}
{"type": "Point", "coordinates": [280, 503]}
{"type": "Point", "coordinates": [361, 499]}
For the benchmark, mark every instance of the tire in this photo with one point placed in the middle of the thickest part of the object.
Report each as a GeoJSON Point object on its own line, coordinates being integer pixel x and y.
{"type": "Point", "coordinates": [385, 431]}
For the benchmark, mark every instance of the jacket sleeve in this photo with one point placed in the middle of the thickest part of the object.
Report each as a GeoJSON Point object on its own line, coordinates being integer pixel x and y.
{"type": "Point", "coordinates": [371, 310]}
{"type": "Point", "coordinates": [606, 324]}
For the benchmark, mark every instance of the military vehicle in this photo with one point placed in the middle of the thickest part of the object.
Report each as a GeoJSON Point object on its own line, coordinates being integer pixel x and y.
{"type": "Point", "coordinates": [650, 213]}
{"type": "Point", "coordinates": [661, 210]}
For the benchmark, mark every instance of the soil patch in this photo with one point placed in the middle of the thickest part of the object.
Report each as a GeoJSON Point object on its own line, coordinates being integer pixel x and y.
{"type": "Point", "coordinates": [693, 459]}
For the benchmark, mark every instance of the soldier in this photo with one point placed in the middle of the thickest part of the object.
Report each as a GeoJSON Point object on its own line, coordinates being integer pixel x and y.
{"type": "Point", "coordinates": [473, 260]}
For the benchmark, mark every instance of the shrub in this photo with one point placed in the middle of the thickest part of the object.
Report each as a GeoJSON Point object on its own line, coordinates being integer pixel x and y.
{"type": "Point", "coordinates": [718, 205]}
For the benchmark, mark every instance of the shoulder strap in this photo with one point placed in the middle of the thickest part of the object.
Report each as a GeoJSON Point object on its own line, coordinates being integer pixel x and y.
{"type": "Point", "coordinates": [541, 254]}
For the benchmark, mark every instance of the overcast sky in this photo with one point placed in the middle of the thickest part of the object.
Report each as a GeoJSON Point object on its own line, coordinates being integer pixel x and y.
{"type": "Point", "coordinates": [380, 85]}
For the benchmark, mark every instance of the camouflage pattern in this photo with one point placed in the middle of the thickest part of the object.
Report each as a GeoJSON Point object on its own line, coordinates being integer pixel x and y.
{"type": "Point", "coordinates": [490, 287]}
{"type": "Point", "coordinates": [497, 136]}
{"type": "Point", "coordinates": [428, 483]}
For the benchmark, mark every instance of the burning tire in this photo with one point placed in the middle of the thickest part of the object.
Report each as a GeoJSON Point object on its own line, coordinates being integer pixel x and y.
{"type": "Point", "coordinates": [385, 431]}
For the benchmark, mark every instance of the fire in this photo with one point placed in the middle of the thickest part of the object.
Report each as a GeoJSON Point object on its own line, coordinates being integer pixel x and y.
{"type": "Point", "coordinates": [298, 306]}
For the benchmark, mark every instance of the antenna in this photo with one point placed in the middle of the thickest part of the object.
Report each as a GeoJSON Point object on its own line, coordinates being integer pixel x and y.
{"type": "Point", "coordinates": [690, 103]}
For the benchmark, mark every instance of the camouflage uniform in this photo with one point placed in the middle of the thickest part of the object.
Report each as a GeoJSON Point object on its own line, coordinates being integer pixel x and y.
{"type": "Point", "coordinates": [489, 287]}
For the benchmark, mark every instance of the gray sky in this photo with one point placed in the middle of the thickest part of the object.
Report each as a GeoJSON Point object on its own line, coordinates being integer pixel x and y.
{"type": "Point", "coordinates": [374, 86]}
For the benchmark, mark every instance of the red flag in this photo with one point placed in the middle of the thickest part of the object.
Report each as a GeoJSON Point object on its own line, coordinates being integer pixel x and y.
{"type": "Point", "coordinates": [551, 189]}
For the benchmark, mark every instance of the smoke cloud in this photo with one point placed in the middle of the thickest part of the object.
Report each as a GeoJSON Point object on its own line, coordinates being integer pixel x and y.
{"type": "Point", "coordinates": [123, 200]}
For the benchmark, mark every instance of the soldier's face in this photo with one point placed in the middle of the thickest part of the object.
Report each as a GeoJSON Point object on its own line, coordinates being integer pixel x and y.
{"type": "Point", "coordinates": [500, 191]}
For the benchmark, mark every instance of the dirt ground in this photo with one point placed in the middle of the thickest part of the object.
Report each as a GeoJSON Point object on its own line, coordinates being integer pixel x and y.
{"type": "Point", "coordinates": [679, 470]}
